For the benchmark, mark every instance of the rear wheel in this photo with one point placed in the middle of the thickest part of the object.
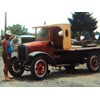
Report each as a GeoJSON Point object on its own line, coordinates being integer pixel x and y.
{"type": "Point", "coordinates": [93, 63]}
{"type": "Point", "coordinates": [15, 68]}
{"type": "Point", "coordinates": [39, 68]}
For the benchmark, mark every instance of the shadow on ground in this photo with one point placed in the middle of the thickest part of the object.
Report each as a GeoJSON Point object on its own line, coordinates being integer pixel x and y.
{"type": "Point", "coordinates": [57, 74]}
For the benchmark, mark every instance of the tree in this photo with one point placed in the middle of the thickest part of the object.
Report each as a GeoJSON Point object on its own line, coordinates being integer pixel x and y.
{"type": "Point", "coordinates": [17, 29]}
{"type": "Point", "coordinates": [83, 22]}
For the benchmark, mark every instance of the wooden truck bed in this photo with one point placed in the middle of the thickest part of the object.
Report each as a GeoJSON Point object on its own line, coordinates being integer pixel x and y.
{"type": "Point", "coordinates": [76, 54]}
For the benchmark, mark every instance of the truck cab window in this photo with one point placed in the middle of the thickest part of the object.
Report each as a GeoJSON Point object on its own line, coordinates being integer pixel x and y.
{"type": "Point", "coordinates": [42, 33]}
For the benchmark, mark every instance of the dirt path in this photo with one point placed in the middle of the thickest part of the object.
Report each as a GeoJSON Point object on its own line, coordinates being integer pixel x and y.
{"type": "Point", "coordinates": [80, 78]}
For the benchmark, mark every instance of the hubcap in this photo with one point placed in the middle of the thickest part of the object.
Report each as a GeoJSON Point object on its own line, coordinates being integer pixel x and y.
{"type": "Point", "coordinates": [94, 61]}
{"type": "Point", "coordinates": [40, 68]}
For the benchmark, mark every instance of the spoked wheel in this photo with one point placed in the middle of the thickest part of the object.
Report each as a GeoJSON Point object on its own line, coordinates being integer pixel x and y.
{"type": "Point", "coordinates": [15, 68]}
{"type": "Point", "coordinates": [93, 63]}
{"type": "Point", "coordinates": [39, 68]}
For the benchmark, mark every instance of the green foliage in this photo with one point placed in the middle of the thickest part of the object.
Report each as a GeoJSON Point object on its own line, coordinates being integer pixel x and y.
{"type": "Point", "coordinates": [97, 33]}
{"type": "Point", "coordinates": [17, 29]}
{"type": "Point", "coordinates": [82, 22]}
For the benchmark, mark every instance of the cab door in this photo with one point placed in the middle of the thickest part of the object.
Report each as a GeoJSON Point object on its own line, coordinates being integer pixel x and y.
{"type": "Point", "coordinates": [57, 38]}
{"type": "Point", "coordinates": [58, 44]}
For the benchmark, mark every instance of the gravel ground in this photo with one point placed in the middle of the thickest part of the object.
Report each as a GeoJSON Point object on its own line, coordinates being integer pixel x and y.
{"type": "Point", "coordinates": [80, 78]}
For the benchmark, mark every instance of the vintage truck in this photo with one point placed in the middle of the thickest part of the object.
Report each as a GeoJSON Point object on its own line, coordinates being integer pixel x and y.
{"type": "Point", "coordinates": [52, 46]}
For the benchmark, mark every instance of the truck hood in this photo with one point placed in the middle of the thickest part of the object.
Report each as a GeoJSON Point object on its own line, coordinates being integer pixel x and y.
{"type": "Point", "coordinates": [38, 46]}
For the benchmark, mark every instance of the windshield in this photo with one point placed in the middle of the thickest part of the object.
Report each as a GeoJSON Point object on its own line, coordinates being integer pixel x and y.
{"type": "Point", "coordinates": [42, 33]}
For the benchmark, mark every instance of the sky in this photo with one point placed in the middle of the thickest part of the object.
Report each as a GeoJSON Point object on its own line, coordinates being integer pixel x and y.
{"type": "Point", "coordinates": [35, 12]}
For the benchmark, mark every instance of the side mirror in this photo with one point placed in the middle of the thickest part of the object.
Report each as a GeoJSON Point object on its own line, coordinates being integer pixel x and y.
{"type": "Point", "coordinates": [60, 33]}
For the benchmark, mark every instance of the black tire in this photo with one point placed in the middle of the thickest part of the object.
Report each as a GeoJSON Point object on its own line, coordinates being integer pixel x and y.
{"type": "Point", "coordinates": [93, 63]}
{"type": "Point", "coordinates": [39, 68]}
{"type": "Point", "coordinates": [16, 69]}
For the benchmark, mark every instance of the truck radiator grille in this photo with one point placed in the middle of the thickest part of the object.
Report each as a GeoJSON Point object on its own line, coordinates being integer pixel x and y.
{"type": "Point", "coordinates": [22, 52]}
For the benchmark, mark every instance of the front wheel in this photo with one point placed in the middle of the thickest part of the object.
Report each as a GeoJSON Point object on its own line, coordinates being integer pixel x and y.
{"type": "Point", "coordinates": [15, 68]}
{"type": "Point", "coordinates": [93, 63]}
{"type": "Point", "coordinates": [39, 68]}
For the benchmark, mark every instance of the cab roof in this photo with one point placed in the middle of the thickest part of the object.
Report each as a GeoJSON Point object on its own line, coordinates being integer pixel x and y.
{"type": "Point", "coordinates": [52, 25]}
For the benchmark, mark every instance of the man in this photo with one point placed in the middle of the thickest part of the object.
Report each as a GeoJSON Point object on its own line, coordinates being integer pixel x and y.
{"type": "Point", "coordinates": [6, 54]}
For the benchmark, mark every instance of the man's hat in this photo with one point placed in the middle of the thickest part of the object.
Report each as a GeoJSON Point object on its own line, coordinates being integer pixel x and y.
{"type": "Point", "coordinates": [8, 32]}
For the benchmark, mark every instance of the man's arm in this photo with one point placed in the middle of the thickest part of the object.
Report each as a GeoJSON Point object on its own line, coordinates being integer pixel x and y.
{"type": "Point", "coordinates": [5, 45]}
{"type": "Point", "coordinates": [11, 37]}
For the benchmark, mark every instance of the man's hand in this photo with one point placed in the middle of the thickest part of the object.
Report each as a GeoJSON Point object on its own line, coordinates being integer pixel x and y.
{"type": "Point", "coordinates": [8, 58]}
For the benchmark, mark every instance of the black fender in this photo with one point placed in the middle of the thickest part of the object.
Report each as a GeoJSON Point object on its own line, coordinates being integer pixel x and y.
{"type": "Point", "coordinates": [13, 58]}
{"type": "Point", "coordinates": [48, 57]}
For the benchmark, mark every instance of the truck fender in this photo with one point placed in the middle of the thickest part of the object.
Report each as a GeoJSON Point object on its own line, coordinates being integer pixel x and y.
{"type": "Point", "coordinates": [48, 57]}
{"type": "Point", "coordinates": [13, 59]}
